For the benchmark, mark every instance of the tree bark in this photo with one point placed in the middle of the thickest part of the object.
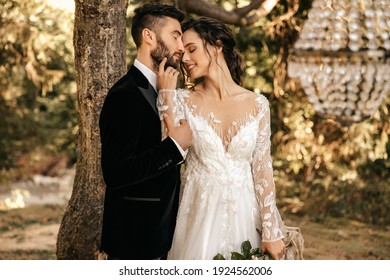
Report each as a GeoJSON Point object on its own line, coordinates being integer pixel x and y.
{"type": "Point", "coordinates": [100, 60]}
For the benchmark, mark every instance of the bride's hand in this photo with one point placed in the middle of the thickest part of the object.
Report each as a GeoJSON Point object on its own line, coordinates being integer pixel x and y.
{"type": "Point", "coordinates": [166, 79]}
{"type": "Point", "coordinates": [276, 249]}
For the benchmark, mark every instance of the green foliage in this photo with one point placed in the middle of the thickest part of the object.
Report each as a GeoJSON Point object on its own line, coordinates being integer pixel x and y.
{"type": "Point", "coordinates": [37, 89]}
{"type": "Point", "coordinates": [247, 253]}
{"type": "Point", "coordinates": [321, 167]}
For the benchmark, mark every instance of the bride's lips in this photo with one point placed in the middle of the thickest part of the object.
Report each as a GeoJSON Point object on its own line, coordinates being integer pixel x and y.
{"type": "Point", "coordinates": [190, 67]}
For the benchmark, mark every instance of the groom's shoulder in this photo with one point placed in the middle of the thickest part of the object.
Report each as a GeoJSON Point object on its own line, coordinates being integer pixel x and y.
{"type": "Point", "coordinates": [123, 83]}
{"type": "Point", "coordinates": [122, 88]}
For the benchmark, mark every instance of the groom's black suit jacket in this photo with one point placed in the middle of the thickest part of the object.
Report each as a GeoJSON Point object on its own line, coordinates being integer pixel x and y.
{"type": "Point", "coordinates": [140, 171]}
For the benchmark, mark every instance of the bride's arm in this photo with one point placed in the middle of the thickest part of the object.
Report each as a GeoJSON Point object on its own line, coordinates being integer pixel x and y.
{"type": "Point", "coordinates": [262, 171]}
{"type": "Point", "coordinates": [170, 105]}
{"type": "Point", "coordinates": [167, 101]}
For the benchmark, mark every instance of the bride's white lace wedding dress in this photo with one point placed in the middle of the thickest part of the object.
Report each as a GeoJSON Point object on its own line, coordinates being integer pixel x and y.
{"type": "Point", "coordinates": [227, 188]}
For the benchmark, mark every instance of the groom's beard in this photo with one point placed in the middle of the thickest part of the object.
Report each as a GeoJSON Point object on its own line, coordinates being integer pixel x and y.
{"type": "Point", "coordinates": [162, 51]}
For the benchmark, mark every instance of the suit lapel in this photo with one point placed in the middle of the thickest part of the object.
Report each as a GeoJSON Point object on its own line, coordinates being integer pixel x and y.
{"type": "Point", "coordinates": [150, 95]}
{"type": "Point", "coordinates": [145, 87]}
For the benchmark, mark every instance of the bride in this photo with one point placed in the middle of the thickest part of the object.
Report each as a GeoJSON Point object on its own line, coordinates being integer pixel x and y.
{"type": "Point", "coordinates": [228, 187]}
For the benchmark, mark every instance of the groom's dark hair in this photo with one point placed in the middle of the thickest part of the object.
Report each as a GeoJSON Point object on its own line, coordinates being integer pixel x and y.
{"type": "Point", "coordinates": [152, 16]}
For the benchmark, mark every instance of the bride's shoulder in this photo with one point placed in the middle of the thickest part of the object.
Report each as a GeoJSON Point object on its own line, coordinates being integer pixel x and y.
{"type": "Point", "coordinates": [256, 97]}
{"type": "Point", "coordinates": [261, 99]}
{"type": "Point", "coordinates": [260, 102]}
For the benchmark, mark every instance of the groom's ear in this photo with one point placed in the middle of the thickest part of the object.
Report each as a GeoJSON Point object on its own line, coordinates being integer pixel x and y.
{"type": "Point", "coordinates": [148, 36]}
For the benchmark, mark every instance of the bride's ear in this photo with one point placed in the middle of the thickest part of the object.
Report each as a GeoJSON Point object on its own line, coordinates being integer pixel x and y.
{"type": "Point", "coordinates": [218, 47]}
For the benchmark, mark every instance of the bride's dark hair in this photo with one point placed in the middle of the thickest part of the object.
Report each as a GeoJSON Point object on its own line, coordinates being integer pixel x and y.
{"type": "Point", "coordinates": [215, 33]}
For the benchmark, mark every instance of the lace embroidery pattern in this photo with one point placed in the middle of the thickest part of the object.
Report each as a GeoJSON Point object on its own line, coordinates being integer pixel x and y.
{"type": "Point", "coordinates": [228, 183]}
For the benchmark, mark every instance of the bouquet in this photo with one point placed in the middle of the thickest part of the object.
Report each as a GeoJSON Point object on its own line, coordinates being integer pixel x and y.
{"type": "Point", "coordinates": [247, 253]}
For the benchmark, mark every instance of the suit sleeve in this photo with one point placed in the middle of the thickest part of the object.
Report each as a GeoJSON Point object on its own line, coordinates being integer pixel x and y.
{"type": "Point", "coordinates": [122, 164]}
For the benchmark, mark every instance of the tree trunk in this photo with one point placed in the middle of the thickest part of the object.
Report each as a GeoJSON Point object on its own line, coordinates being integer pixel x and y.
{"type": "Point", "coordinates": [100, 60]}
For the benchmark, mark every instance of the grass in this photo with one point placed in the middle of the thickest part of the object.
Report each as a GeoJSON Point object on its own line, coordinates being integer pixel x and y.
{"type": "Point", "coordinates": [23, 217]}
{"type": "Point", "coordinates": [332, 239]}
{"type": "Point", "coordinates": [30, 233]}
{"type": "Point", "coordinates": [342, 239]}
{"type": "Point", "coordinates": [28, 255]}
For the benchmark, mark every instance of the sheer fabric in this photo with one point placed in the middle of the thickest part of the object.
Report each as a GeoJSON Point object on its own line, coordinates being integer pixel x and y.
{"type": "Point", "coordinates": [228, 187]}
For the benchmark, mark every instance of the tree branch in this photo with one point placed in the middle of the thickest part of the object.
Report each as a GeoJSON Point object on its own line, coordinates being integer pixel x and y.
{"type": "Point", "coordinates": [264, 9]}
{"type": "Point", "coordinates": [244, 16]}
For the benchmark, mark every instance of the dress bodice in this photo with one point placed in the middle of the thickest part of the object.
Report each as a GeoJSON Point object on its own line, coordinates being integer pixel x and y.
{"type": "Point", "coordinates": [210, 150]}
{"type": "Point", "coordinates": [231, 155]}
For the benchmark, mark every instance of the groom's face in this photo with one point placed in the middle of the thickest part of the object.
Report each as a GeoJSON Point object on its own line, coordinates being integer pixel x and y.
{"type": "Point", "coordinates": [169, 43]}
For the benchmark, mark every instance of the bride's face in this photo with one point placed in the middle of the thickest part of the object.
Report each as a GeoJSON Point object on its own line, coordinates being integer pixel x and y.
{"type": "Point", "coordinates": [196, 58]}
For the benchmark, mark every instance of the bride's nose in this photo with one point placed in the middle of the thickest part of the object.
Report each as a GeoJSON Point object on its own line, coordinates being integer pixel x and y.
{"type": "Point", "coordinates": [185, 57]}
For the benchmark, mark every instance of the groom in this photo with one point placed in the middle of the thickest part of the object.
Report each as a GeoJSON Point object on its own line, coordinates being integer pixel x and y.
{"type": "Point", "coordinates": [140, 171]}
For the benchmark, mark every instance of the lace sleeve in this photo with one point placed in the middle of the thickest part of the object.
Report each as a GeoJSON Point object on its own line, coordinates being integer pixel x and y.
{"type": "Point", "coordinates": [171, 103]}
{"type": "Point", "coordinates": [263, 176]}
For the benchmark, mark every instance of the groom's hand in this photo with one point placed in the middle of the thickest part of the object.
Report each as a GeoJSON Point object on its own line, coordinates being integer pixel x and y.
{"type": "Point", "coordinates": [182, 134]}
{"type": "Point", "coordinates": [166, 79]}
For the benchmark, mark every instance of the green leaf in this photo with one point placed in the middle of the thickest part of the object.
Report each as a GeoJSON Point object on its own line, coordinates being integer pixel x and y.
{"type": "Point", "coordinates": [219, 257]}
{"type": "Point", "coordinates": [246, 249]}
{"type": "Point", "coordinates": [255, 251]}
{"type": "Point", "coordinates": [237, 256]}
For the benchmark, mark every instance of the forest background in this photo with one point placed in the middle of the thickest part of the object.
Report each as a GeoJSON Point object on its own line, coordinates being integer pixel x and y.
{"type": "Point", "coordinates": [324, 171]}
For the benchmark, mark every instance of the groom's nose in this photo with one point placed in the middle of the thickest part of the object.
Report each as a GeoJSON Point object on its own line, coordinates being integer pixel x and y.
{"type": "Point", "coordinates": [180, 46]}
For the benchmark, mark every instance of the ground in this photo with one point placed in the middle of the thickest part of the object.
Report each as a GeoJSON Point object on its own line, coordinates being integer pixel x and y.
{"type": "Point", "coordinates": [30, 234]}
